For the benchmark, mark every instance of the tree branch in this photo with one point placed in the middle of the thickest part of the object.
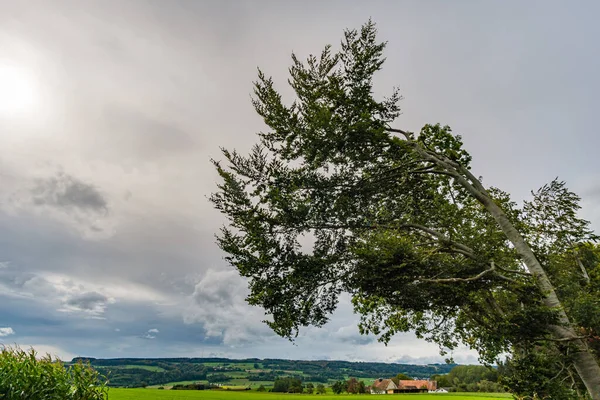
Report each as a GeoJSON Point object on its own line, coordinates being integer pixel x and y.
{"type": "Point", "coordinates": [433, 172]}
{"type": "Point", "coordinates": [511, 271]}
{"type": "Point", "coordinates": [567, 339]}
{"type": "Point", "coordinates": [404, 133]}
{"type": "Point", "coordinates": [466, 250]}
{"type": "Point", "coordinates": [453, 280]}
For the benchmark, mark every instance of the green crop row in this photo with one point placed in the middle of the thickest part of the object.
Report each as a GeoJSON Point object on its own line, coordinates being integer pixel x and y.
{"type": "Point", "coordinates": [25, 376]}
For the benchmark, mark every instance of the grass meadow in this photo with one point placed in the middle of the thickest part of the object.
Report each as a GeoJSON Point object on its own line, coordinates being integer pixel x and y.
{"type": "Point", "coordinates": [153, 394]}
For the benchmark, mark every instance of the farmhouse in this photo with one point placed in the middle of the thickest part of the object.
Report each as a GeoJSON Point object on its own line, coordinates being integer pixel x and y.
{"type": "Point", "coordinates": [387, 386]}
{"type": "Point", "coordinates": [383, 386]}
{"type": "Point", "coordinates": [419, 384]}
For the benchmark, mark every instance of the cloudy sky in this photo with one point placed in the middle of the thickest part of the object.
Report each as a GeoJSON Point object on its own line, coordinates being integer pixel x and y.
{"type": "Point", "coordinates": [111, 110]}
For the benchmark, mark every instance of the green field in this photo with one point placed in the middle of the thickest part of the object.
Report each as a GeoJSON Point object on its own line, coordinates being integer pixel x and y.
{"type": "Point", "coordinates": [151, 394]}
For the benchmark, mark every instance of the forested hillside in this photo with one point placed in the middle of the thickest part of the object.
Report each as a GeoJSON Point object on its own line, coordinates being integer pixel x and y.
{"type": "Point", "coordinates": [136, 372]}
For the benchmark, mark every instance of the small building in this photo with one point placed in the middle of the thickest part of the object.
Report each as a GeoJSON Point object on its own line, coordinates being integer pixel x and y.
{"type": "Point", "coordinates": [383, 386]}
{"type": "Point", "coordinates": [420, 384]}
{"type": "Point", "coordinates": [387, 386]}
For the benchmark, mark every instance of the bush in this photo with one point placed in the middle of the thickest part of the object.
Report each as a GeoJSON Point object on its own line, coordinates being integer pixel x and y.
{"type": "Point", "coordinates": [287, 385]}
{"type": "Point", "coordinates": [194, 386]}
{"type": "Point", "coordinates": [24, 376]}
{"type": "Point", "coordinates": [321, 389]}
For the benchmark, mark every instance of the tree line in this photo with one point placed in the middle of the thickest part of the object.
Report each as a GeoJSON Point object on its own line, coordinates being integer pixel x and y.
{"type": "Point", "coordinates": [132, 372]}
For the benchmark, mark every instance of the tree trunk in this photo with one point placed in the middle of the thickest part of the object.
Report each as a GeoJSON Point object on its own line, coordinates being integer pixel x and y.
{"type": "Point", "coordinates": [582, 267]}
{"type": "Point", "coordinates": [585, 362]}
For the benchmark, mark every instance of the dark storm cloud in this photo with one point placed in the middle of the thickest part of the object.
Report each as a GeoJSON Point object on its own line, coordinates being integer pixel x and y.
{"type": "Point", "coordinates": [64, 191]}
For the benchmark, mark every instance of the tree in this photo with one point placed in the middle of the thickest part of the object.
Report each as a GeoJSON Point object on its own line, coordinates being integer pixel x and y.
{"type": "Point", "coordinates": [472, 374]}
{"type": "Point", "coordinates": [321, 389]}
{"type": "Point", "coordinates": [471, 378]}
{"type": "Point", "coordinates": [287, 385]}
{"type": "Point", "coordinates": [361, 387]}
{"type": "Point", "coordinates": [533, 372]}
{"type": "Point", "coordinates": [401, 377]}
{"type": "Point", "coordinates": [352, 385]}
{"type": "Point", "coordinates": [261, 388]}
{"type": "Point", "coordinates": [333, 199]}
{"type": "Point", "coordinates": [310, 388]}
{"type": "Point", "coordinates": [296, 387]}
{"type": "Point", "coordinates": [442, 380]}
{"type": "Point", "coordinates": [338, 387]}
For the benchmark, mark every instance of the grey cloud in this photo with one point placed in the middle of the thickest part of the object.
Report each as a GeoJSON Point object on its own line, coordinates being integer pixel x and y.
{"type": "Point", "coordinates": [219, 289]}
{"type": "Point", "coordinates": [350, 334]}
{"type": "Point", "coordinates": [19, 283]}
{"type": "Point", "coordinates": [131, 133]}
{"type": "Point", "coordinates": [60, 199]}
{"type": "Point", "coordinates": [66, 191]}
{"type": "Point", "coordinates": [60, 293]}
{"type": "Point", "coordinates": [88, 301]}
{"type": "Point", "coordinates": [461, 358]}
{"type": "Point", "coordinates": [592, 192]}
{"type": "Point", "coordinates": [218, 303]}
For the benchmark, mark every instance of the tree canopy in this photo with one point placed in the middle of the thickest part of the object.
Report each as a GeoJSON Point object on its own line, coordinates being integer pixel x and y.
{"type": "Point", "coordinates": [334, 199]}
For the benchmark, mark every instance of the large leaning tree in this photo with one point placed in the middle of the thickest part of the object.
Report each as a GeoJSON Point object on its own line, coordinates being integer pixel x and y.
{"type": "Point", "coordinates": [333, 198]}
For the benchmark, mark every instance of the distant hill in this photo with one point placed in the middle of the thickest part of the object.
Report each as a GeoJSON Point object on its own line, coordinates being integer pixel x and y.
{"type": "Point", "coordinates": [139, 372]}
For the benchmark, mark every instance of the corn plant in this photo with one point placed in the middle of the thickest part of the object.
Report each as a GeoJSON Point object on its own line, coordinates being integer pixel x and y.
{"type": "Point", "coordinates": [25, 376]}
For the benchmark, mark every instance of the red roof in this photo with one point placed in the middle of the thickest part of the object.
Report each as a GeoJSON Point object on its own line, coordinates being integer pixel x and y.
{"type": "Point", "coordinates": [431, 385]}
{"type": "Point", "coordinates": [382, 384]}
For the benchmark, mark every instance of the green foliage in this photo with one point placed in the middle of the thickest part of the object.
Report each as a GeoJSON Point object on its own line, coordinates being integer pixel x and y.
{"type": "Point", "coordinates": [329, 170]}
{"type": "Point", "coordinates": [287, 385]}
{"type": "Point", "coordinates": [310, 388]}
{"type": "Point", "coordinates": [321, 388]}
{"type": "Point", "coordinates": [401, 377]}
{"type": "Point", "coordinates": [352, 385]}
{"type": "Point", "coordinates": [470, 378]}
{"type": "Point", "coordinates": [361, 387]}
{"type": "Point", "coordinates": [162, 371]}
{"type": "Point", "coordinates": [25, 376]}
{"type": "Point", "coordinates": [472, 374]}
{"type": "Point", "coordinates": [192, 386]}
{"type": "Point", "coordinates": [533, 374]}
{"type": "Point", "coordinates": [261, 388]}
{"type": "Point", "coordinates": [330, 200]}
{"type": "Point", "coordinates": [339, 387]}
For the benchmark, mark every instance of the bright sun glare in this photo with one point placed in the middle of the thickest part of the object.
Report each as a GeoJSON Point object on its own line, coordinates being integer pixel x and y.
{"type": "Point", "coordinates": [17, 91]}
